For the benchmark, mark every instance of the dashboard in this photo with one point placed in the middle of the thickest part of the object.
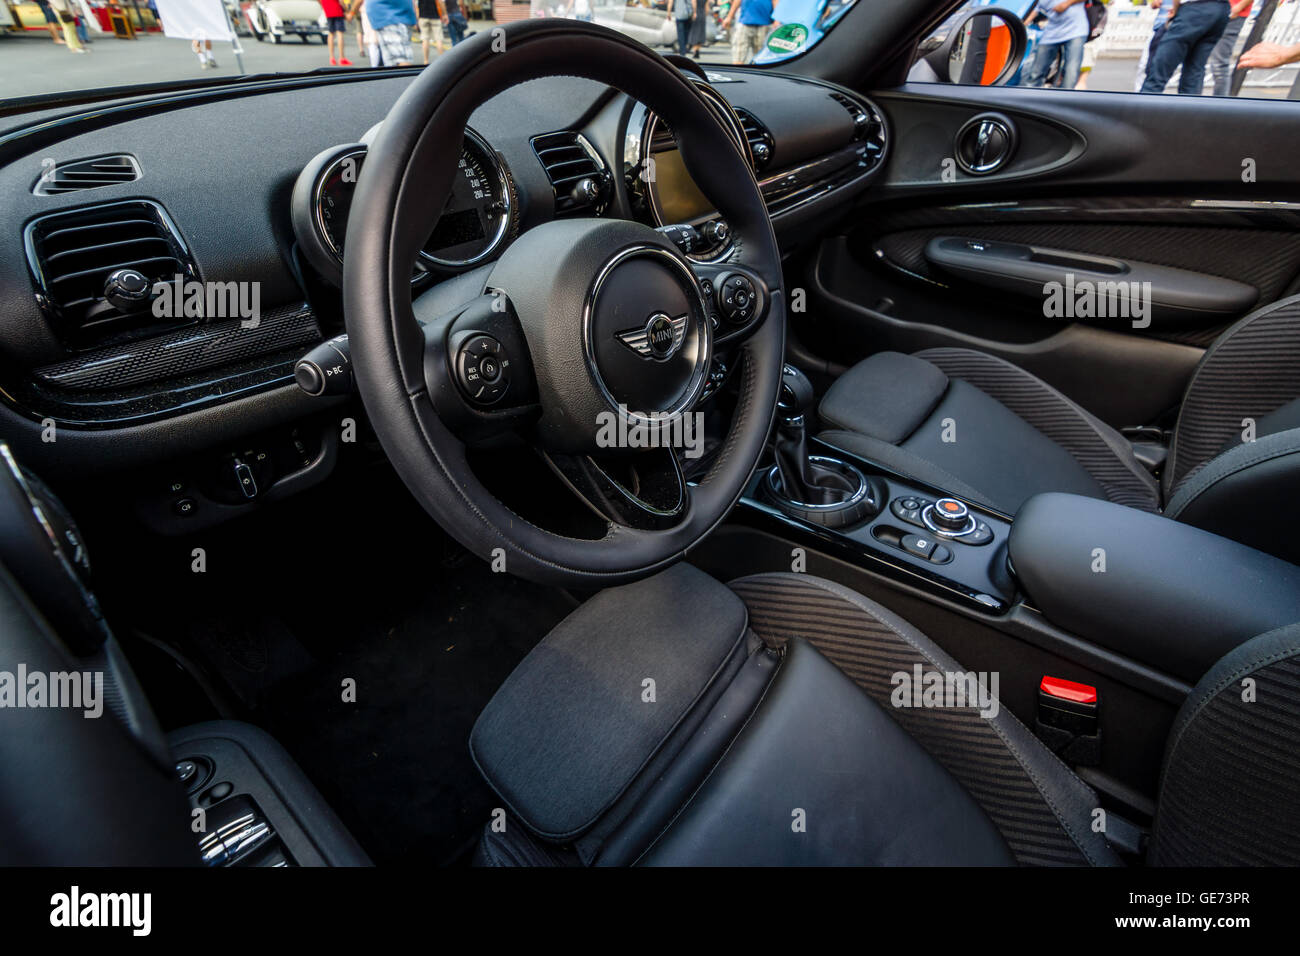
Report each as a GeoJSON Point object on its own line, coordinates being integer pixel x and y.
{"type": "Point", "coordinates": [255, 185]}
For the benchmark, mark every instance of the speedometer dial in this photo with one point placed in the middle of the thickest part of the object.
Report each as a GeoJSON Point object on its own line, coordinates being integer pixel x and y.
{"type": "Point", "coordinates": [474, 222]}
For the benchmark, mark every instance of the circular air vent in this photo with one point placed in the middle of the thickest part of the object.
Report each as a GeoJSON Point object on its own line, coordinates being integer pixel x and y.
{"type": "Point", "coordinates": [985, 144]}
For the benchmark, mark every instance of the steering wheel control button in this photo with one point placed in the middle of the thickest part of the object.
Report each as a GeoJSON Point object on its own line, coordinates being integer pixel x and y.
{"type": "Point", "coordinates": [737, 298]}
{"type": "Point", "coordinates": [483, 369]}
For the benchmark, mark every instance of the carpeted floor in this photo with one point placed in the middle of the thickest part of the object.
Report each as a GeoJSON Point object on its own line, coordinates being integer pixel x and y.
{"type": "Point", "coordinates": [351, 583]}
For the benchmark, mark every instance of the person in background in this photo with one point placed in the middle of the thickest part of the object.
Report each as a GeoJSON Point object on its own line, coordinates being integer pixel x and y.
{"type": "Point", "coordinates": [699, 27]}
{"type": "Point", "coordinates": [390, 21]}
{"type": "Point", "coordinates": [1194, 28]}
{"type": "Point", "coordinates": [337, 25]}
{"type": "Point", "coordinates": [749, 35]}
{"type": "Point", "coordinates": [453, 20]}
{"type": "Point", "coordinates": [1268, 56]}
{"type": "Point", "coordinates": [1221, 57]}
{"type": "Point", "coordinates": [51, 21]}
{"type": "Point", "coordinates": [63, 10]}
{"type": "Point", "coordinates": [203, 50]}
{"type": "Point", "coordinates": [430, 20]}
{"type": "Point", "coordinates": [1161, 8]}
{"type": "Point", "coordinates": [1086, 65]}
{"type": "Point", "coordinates": [579, 10]}
{"type": "Point", "coordinates": [683, 15]}
{"type": "Point", "coordinates": [1065, 33]}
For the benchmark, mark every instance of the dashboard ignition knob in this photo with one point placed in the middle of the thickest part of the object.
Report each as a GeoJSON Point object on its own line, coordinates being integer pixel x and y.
{"type": "Point", "coordinates": [128, 290]}
{"type": "Point", "coordinates": [716, 232]}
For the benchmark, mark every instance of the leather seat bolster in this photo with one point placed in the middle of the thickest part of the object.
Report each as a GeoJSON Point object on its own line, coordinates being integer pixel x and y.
{"type": "Point", "coordinates": [886, 396]}
{"type": "Point", "coordinates": [579, 719]}
{"type": "Point", "coordinates": [1231, 495]}
{"type": "Point", "coordinates": [820, 774]}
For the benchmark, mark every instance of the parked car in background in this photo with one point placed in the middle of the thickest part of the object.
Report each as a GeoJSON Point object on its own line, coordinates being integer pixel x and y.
{"type": "Point", "coordinates": [800, 24]}
{"type": "Point", "coordinates": [648, 25]}
{"type": "Point", "coordinates": [276, 19]}
{"type": "Point", "coordinates": [1020, 8]}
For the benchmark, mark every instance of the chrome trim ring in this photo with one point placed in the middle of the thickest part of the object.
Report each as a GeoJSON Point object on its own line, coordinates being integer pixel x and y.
{"type": "Point", "coordinates": [640, 138]}
{"type": "Point", "coordinates": [699, 375]}
{"type": "Point", "coordinates": [928, 510]}
{"type": "Point", "coordinates": [504, 190]}
{"type": "Point", "coordinates": [317, 191]}
{"type": "Point", "coordinates": [864, 488]}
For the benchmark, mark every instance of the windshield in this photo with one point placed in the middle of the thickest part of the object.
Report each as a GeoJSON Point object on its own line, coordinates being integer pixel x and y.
{"type": "Point", "coordinates": [70, 46]}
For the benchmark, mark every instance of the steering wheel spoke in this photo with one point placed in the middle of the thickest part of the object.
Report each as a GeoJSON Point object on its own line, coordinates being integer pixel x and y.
{"type": "Point", "coordinates": [477, 368]}
{"type": "Point", "coordinates": [645, 491]}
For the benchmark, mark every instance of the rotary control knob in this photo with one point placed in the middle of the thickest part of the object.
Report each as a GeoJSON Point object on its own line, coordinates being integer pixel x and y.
{"type": "Point", "coordinates": [950, 514]}
{"type": "Point", "coordinates": [128, 290]}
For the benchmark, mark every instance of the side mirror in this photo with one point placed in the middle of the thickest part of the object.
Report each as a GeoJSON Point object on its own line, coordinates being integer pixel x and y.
{"type": "Point", "coordinates": [982, 48]}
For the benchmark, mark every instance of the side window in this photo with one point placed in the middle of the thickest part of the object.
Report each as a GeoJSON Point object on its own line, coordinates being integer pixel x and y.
{"type": "Point", "coordinates": [1193, 47]}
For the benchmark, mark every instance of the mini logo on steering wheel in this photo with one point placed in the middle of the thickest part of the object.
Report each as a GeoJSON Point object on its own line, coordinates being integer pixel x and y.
{"type": "Point", "coordinates": [658, 339]}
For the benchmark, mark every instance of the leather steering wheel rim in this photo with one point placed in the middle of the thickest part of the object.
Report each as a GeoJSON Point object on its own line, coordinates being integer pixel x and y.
{"type": "Point", "coordinates": [406, 178]}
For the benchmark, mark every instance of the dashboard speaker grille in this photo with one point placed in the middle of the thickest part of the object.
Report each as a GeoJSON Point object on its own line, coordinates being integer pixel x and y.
{"type": "Point", "coordinates": [87, 174]}
{"type": "Point", "coordinates": [569, 159]}
{"type": "Point", "coordinates": [72, 254]}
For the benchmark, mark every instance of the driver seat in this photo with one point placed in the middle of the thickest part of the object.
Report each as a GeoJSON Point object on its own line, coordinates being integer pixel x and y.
{"type": "Point", "coordinates": [676, 721]}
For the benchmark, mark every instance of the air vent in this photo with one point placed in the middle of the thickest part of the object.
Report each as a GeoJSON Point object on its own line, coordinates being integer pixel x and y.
{"type": "Point", "coordinates": [868, 127]}
{"type": "Point", "coordinates": [87, 174]}
{"type": "Point", "coordinates": [569, 159]}
{"type": "Point", "coordinates": [72, 254]}
{"type": "Point", "coordinates": [760, 140]}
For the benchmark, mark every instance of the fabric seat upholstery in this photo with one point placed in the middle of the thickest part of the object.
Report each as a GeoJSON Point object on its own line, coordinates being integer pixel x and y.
{"type": "Point", "coordinates": [984, 429]}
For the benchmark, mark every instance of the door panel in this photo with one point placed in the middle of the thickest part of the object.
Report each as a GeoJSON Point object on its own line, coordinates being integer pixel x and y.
{"type": "Point", "coordinates": [1187, 183]}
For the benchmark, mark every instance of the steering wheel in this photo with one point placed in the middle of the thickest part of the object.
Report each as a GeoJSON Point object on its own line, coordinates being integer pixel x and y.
{"type": "Point", "coordinates": [583, 329]}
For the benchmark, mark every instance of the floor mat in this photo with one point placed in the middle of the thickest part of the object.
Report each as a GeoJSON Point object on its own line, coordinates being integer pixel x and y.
{"type": "Point", "coordinates": [354, 584]}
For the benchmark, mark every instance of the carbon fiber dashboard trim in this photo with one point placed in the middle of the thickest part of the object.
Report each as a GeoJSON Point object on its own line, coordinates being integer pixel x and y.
{"type": "Point", "coordinates": [183, 352]}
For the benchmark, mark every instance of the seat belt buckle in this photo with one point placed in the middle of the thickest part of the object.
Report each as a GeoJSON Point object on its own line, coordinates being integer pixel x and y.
{"type": "Point", "coordinates": [1068, 720]}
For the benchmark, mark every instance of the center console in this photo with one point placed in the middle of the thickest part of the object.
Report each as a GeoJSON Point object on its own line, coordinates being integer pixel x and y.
{"type": "Point", "coordinates": [874, 517]}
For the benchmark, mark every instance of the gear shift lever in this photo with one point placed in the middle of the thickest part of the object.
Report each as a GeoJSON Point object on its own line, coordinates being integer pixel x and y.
{"type": "Point", "coordinates": [817, 488]}
{"type": "Point", "coordinates": [797, 477]}
{"type": "Point", "coordinates": [801, 479]}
